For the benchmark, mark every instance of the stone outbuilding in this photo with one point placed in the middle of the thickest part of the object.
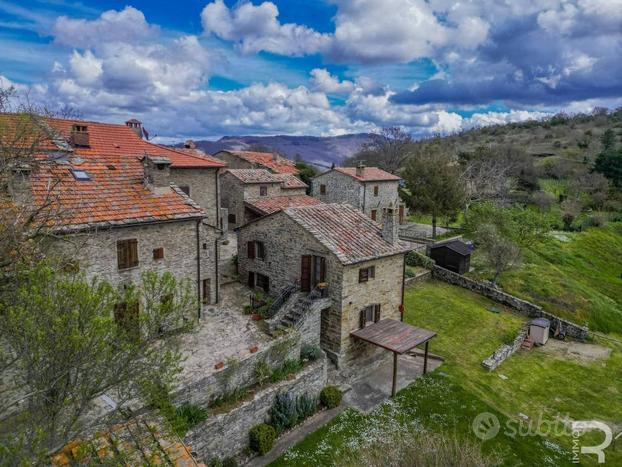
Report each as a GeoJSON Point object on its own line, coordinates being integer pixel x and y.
{"type": "Point", "coordinates": [354, 261]}
{"type": "Point", "coordinates": [251, 193]}
{"type": "Point", "coordinates": [369, 189]}
{"type": "Point", "coordinates": [272, 162]}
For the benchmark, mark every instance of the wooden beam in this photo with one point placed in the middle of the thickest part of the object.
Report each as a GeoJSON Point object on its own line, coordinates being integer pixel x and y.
{"type": "Point", "coordinates": [394, 388]}
{"type": "Point", "coordinates": [425, 358]}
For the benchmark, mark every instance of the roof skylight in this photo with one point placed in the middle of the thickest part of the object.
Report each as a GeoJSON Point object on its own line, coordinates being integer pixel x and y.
{"type": "Point", "coordinates": [80, 175]}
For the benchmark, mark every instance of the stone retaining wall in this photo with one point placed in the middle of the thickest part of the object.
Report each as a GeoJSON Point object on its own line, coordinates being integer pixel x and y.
{"type": "Point", "coordinates": [240, 373]}
{"type": "Point", "coordinates": [226, 434]}
{"type": "Point", "coordinates": [524, 307]}
{"type": "Point", "coordinates": [420, 277]}
{"type": "Point", "coordinates": [505, 351]}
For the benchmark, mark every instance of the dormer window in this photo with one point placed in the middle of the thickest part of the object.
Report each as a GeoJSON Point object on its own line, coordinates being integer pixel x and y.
{"type": "Point", "coordinates": [81, 175]}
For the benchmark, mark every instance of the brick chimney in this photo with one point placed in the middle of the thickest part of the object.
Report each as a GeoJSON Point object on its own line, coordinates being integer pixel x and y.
{"type": "Point", "coordinates": [157, 173]}
{"type": "Point", "coordinates": [19, 185]}
{"type": "Point", "coordinates": [360, 170]}
{"type": "Point", "coordinates": [189, 144]}
{"type": "Point", "coordinates": [80, 136]}
{"type": "Point", "coordinates": [136, 126]}
{"type": "Point", "coordinates": [390, 226]}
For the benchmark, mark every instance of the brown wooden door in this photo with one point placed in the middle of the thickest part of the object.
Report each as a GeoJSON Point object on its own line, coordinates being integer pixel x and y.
{"type": "Point", "coordinates": [401, 214]}
{"type": "Point", "coordinates": [251, 279]}
{"type": "Point", "coordinates": [305, 273]}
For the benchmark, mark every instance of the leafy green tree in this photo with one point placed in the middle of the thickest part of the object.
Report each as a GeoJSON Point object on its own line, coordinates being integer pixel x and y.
{"type": "Point", "coordinates": [608, 140]}
{"type": "Point", "coordinates": [609, 163]}
{"type": "Point", "coordinates": [434, 182]}
{"type": "Point", "coordinates": [67, 340]}
{"type": "Point", "coordinates": [306, 172]}
{"type": "Point", "coordinates": [500, 252]}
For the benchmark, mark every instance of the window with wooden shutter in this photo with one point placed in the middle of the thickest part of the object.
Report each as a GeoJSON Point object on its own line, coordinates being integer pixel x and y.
{"type": "Point", "coordinates": [376, 313]}
{"type": "Point", "coordinates": [158, 253]}
{"type": "Point", "coordinates": [374, 214]}
{"type": "Point", "coordinates": [322, 189]}
{"type": "Point", "coordinates": [367, 273]}
{"type": "Point", "coordinates": [127, 253]}
{"type": "Point", "coordinates": [261, 250]}
{"type": "Point", "coordinates": [250, 248]}
{"type": "Point", "coordinates": [369, 315]}
{"type": "Point", "coordinates": [263, 191]}
{"type": "Point", "coordinates": [376, 190]}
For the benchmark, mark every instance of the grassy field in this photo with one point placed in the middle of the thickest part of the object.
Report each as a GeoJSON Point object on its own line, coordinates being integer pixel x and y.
{"type": "Point", "coordinates": [543, 383]}
{"type": "Point", "coordinates": [575, 275]}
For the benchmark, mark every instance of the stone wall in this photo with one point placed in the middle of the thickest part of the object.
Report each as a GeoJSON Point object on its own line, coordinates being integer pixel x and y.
{"type": "Point", "coordinates": [226, 434]}
{"type": "Point", "coordinates": [523, 306]}
{"type": "Point", "coordinates": [97, 252]}
{"type": "Point", "coordinates": [421, 276]}
{"type": "Point", "coordinates": [340, 188]}
{"type": "Point", "coordinates": [239, 374]}
{"type": "Point", "coordinates": [202, 184]}
{"type": "Point", "coordinates": [505, 351]}
{"type": "Point", "coordinates": [387, 197]}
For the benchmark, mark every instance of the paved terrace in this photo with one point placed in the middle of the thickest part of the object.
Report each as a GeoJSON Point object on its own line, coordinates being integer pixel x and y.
{"type": "Point", "coordinates": [223, 333]}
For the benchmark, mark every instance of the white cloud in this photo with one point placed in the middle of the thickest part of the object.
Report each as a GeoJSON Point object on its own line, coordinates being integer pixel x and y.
{"type": "Point", "coordinates": [128, 25]}
{"type": "Point", "coordinates": [500, 118]}
{"type": "Point", "coordinates": [257, 28]}
{"type": "Point", "coordinates": [322, 80]}
{"type": "Point", "coordinates": [86, 68]}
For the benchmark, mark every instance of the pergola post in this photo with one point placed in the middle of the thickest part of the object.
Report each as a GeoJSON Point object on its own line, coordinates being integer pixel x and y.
{"type": "Point", "coordinates": [394, 388]}
{"type": "Point", "coordinates": [425, 358]}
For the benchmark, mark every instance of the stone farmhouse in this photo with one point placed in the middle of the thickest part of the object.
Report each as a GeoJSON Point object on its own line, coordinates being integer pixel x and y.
{"type": "Point", "coordinates": [369, 189]}
{"type": "Point", "coordinates": [333, 251]}
{"type": "Point", "coordinates": [251, 193]}
{"type": "Point", "coordinates": [257, 160]}
{"type": "Point", "coordinates": [123, 204]}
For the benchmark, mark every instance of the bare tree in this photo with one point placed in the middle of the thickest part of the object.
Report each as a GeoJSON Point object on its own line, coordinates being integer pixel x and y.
{"type": "Point", "coordinates": [388, 150]}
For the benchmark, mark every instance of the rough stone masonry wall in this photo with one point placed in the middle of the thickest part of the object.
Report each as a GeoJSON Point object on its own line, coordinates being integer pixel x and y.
{"type": "Point", "coordinates": [241, 374]}
{"type": "Point", "coordinates": [97, 251]}
{"type": "Point", "coordinates": [523, 306]}
{"type": "Point", "coordinates": [226, 434]}
{"type": "Point", "coordinates": [387, 196]}
{"type": "Point", "coordinates": [505, 351]}
{"type": "Point", "coordinates": [356, 296]}
{"type": "Point", "coordinates": [202, 183]}
{"type": "Point", "coordinates": [340, 188]}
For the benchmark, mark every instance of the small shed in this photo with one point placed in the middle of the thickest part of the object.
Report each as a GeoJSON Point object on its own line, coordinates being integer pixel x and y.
{"type": "Point", "coordinates": [539, 331]}
{"type": "Point", "coordinates": [453, 254]}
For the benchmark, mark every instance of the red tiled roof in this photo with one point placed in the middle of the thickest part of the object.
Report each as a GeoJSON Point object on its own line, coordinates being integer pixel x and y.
{"type": "Point", "coordinates": [104, 139]}
{"type": "Point", "coordinates": [347, 232]}
{"type": "Point", "coordinates": [268, 205]}
{"type": "Point", "coordinates": [114, 195]}
{"type": "Point", "coordinates": [290, 181]}
{"type": "Point", "coordinates": [266, 159]}
{"type": "Point", "coordinates": [255, 176]}
{"type": "Point", "coordinates": [370, 174]}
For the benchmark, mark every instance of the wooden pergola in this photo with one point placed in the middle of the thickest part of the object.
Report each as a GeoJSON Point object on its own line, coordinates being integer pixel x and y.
{"type": "Point", "coordinates": [398, 337]}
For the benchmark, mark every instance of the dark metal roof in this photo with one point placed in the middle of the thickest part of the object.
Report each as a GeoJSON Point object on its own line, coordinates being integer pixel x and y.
{"type": "Point", "coordinates": [458, 245]}
{"type": "Point", "coordinates": [541, 322]}
{"type": "Point", "coordinates": [393, 335]}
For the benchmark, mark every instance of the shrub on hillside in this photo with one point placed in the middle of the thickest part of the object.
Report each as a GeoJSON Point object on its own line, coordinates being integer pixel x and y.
{"type": "Point", "coordinates": [284, 413]}
{"type": "Point", "coordinates": [306, 406]}
{"type": "Point", "coordinates": [261, 438]}
{"type": "Point", "coordinates": [417, 259]}
{"type": "Point", "coordinates": [330, 397]}
{"type": "Point", "coordinates": [310, 352]}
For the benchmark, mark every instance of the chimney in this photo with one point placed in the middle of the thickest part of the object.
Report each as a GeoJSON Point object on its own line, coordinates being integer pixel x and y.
{"type": "Point", "coordinates": [80, 136]}
{"type": "Point", "coordinates": [136, 126]}
{"type": "Point", "coordinates": [157, 173]}
{"type": "Point", "coordinates": [189, 144]}
{"type": "Point", "coordinates": [275, 157]}
{"type": "Point", "coordinates": [390, 226]}
{"type": "Point", "coordinates": [19, 185]}
{"type": "Point", "coordinates": [360, 170]}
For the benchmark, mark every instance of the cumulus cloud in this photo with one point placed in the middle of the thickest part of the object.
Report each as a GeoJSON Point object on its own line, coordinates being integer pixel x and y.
{"type": "Point", "coordinates": [256, 28]}
{"type": "Point", "coordinates": [322, 80]}
{"type": "Point", "coordinates": [127, 25]}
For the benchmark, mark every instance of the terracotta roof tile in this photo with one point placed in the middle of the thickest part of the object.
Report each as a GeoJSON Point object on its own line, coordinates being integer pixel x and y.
{"type": "Point", "coordinates": [255, 176]}
{"type": "Point", "coordinates": [370, 174]}
{"type": "Point", "coordinates": [345, 231]}
{"type": "Point", "coordinates": [290, 181]}
{"type": "Point", "coordinates": [267, 205]}
{"type": "Point", "coordinates": [268, 160]}
{"type": "Point", "coordinates": [114, 195]}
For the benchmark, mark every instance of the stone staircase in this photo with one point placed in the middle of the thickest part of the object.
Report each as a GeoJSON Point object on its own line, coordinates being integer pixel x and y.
{"type": "Point", "coordinates": [297, 307]}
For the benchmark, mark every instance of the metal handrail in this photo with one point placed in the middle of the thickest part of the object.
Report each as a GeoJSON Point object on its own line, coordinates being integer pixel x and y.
{"type": "Point", "coordinates": [279, 301]}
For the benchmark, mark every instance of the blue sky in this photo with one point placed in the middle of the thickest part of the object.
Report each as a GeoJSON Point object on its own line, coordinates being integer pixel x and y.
{"type": "Point", "coordinates": [212, 68]}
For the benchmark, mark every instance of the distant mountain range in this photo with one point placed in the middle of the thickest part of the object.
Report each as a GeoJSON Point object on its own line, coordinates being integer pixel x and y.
{"type": "Point", "coordinates": [318, 150]}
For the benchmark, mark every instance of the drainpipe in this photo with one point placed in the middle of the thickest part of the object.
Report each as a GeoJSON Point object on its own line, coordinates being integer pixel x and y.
{"type": "Point", "coordinates": [403, 287]}
{"type": "Point", "coordinates": [222, 235]}
{"type": "Point", "coordinates": [217, 270]}
{"type": "Point", "coordinates": [198, 226]}
{"type": "Point", "coordinates": [364, 196]}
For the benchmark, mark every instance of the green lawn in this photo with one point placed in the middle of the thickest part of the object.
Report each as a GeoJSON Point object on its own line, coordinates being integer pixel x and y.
{"type": "Point", "coordinates": [538, 383]}
{"type": "Point", "coordinates": [576, 275]}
